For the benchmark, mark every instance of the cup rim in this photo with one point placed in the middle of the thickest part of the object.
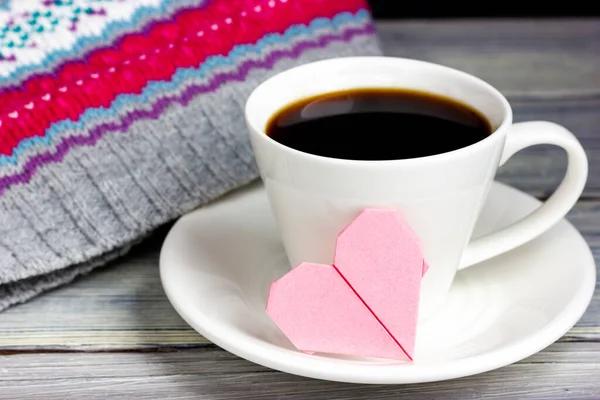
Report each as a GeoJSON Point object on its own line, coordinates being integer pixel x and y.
{"type": "Point", "coordinates": [496, 134]}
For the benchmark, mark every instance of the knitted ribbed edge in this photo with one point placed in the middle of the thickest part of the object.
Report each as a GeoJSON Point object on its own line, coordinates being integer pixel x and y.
{"type": "Point", "coordinates": [92, 206]}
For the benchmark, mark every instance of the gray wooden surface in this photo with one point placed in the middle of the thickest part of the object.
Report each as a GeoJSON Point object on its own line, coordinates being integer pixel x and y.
{"type": "Point", "coordinates": [114, 334]}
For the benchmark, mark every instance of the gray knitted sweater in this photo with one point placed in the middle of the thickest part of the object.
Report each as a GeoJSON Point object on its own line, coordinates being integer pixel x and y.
{"type": "Point", "coordinates": [117, 118]}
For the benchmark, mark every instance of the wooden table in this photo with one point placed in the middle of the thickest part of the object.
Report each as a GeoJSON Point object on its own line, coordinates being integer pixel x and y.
{"type": "Point", "coordinates": [114, 334]}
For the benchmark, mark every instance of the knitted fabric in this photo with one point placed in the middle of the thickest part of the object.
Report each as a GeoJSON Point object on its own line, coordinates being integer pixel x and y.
{"type": "Point", "coordinates": [117, 116]}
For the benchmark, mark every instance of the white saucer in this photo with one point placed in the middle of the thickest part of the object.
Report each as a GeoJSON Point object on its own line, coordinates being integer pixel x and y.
{"type": "Point", "coordinates": [217, 263]}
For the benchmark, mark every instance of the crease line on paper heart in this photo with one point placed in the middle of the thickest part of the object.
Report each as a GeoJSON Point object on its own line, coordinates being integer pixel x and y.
{"type": "Point", "coordinates": [372, 313]}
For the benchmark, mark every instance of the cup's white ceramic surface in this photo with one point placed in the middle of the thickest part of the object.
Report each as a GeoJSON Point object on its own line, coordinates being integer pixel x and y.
{"type": "Point", "coordinates": [314, 198]}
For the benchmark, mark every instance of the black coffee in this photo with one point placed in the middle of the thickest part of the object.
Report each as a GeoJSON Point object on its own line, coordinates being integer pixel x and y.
{"type": "Point", "coordinates": [378, 124]}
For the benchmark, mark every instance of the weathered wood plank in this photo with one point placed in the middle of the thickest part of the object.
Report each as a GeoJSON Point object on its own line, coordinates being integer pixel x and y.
{"type": "Point", "coordinates": [565, 370]}
{"type": "Point", "coordinates": [548, 69]}
{"type": "Point", "coordinates": [541, 57]}
{"type": "Point", "coordinates": [124, 306]}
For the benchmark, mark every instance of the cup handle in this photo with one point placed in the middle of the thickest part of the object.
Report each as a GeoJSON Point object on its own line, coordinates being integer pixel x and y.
{"type": "Point", "coordinates": [520, 136]}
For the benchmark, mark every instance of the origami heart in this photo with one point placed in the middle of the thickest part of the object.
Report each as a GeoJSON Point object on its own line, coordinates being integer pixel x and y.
{"type": "Point", "coordinates": [366, 303]}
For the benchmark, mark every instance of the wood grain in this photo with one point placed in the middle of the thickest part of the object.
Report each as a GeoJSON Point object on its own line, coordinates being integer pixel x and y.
{"type": "Point", "coordinates": [526, 58]}
{"type": "Point", "coordinates": [565, 370]}
{"type": "Point", "coordinates": [114, 334]}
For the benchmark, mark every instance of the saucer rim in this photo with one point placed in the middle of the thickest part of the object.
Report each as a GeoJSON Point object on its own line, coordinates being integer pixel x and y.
{"type": "Point", "coordinates": [305, 365]}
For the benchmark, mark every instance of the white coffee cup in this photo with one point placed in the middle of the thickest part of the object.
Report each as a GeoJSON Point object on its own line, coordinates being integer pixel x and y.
{"type": "Point", "coordinates": [314, 197]}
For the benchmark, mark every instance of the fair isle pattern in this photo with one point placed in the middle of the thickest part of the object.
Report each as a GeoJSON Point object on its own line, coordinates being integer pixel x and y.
{"type": "Point", "coordinates": [156, 54]}
{"type": "Point", "coordinates": [35, 33]}
{"type": "Point", "coordinates": [12, 74]}
{"type": "Point", "coordinates": [104, 141]}
{"type": "Point", "coordinates": [33, 152]}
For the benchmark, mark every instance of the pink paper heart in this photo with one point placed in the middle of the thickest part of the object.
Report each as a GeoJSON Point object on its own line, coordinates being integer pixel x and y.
{"type": "Point", "coordinates": [366, 303]}
{"type": "Point", "coordinates": [327, 316]}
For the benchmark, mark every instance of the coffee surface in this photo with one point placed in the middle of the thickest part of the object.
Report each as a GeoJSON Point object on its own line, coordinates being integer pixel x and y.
{"type": "Point", "coordinates": [377, 124]}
